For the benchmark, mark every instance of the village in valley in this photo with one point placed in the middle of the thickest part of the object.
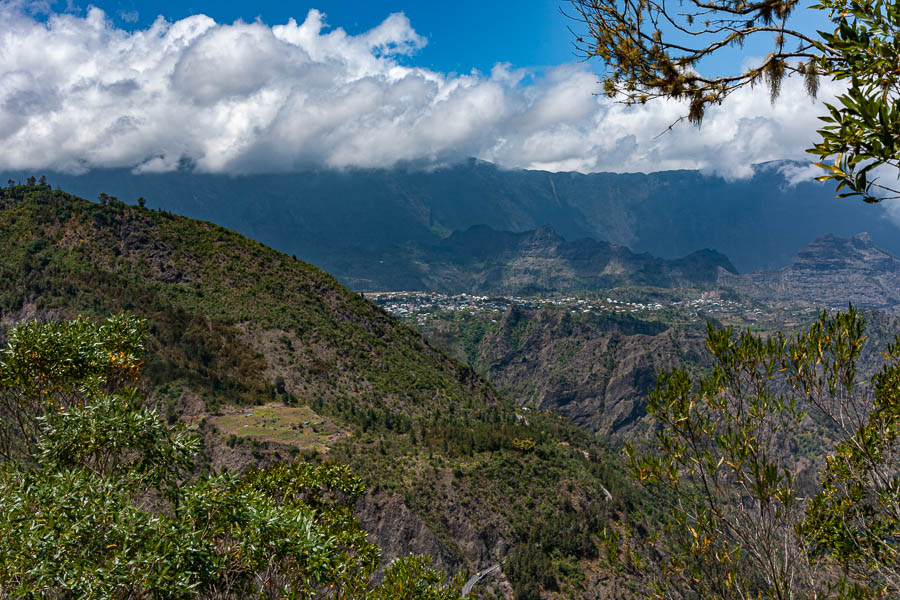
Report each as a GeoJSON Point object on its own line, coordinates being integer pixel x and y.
{"type": "Point", "coordinates": [670, 306]}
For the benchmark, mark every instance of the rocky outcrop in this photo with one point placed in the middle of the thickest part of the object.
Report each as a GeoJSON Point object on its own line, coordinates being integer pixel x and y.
{"type": "Point", "coordinates": [399, 532]}
{"type": "Point", "coordinates": [594, 369]}
{"type": "Point", "coordinates": [832, 272]}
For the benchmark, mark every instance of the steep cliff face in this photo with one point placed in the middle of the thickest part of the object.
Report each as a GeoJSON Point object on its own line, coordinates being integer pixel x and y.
{"type": "Point", "coordinates": [832, 271]}
{"type": "Point", "coordinates": [595, 370]}
{"type": "Point", "coordinates": [398, 531]}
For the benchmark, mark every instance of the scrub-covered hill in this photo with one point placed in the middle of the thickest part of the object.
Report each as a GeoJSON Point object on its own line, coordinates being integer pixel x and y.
{"type": "Point", "coordinates": [270, 358]}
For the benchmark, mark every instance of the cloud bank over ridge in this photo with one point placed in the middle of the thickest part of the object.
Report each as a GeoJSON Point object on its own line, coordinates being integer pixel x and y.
{"type": "Point", "coordinates": [79, 93]}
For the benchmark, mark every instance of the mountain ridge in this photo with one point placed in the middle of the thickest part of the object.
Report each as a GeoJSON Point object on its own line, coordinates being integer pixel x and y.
{"type": "Point", "coordinates": [832, 271]}
{"type": "Point", "coordinates": [481, 260]}
{"type": "Point", "coordinates": [339, 220]}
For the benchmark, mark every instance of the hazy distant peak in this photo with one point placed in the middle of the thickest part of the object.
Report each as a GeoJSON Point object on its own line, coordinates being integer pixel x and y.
{"type": "Point", "coordinates": [711, 258]}
{"type": "Point", "coordinates": [831, 247]}
{"type": "Point", "coordinates": [862, 240]}
{"type": "Point", "coordinates": [831, 271]}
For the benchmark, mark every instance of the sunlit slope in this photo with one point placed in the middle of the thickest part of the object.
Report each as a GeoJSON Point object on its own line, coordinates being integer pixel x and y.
{"type": "Point", "coordinates": [234, 324]}
{"type": "Point", "coordinates": [210, 295]}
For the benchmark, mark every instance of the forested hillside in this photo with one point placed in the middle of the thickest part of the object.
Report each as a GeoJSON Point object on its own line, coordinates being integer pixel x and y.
{"type": "Point", "coordinates": [236, 329]}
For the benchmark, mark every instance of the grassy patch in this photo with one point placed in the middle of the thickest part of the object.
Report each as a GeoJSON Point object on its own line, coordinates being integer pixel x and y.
{"type": "Point", "coordinates": [299, 426]}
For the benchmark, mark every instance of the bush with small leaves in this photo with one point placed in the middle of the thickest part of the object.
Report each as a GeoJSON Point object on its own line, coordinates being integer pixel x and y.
{"type": "Point", "coordinates": [99, 502]}
{"type": "Point", "coordinates": [740, 522]}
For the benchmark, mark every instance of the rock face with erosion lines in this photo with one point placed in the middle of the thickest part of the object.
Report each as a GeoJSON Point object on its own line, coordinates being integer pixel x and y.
{"type": "Point", "coordinates": [595, 370]}
{"type": "Point", "coordinates": [832, 271]}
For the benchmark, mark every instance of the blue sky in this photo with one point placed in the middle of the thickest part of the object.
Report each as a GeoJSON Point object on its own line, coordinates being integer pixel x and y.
{"type": "Point", "coordinates": [462, 34]}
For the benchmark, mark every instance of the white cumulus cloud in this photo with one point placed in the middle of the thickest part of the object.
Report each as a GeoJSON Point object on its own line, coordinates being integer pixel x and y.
{"type": "Point", "coordinates": [79, 93]}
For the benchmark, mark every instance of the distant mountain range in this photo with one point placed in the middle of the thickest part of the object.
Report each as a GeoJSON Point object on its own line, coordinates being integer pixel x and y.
{"type": "Point", "coordinates": [348, 221]}
{"type": "Point", "coordinates": [832, 271]}
{"type": "Point", "coordinates": [484, 261]}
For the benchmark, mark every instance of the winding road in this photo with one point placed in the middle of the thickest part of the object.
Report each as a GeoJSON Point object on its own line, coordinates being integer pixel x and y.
{"type": "Point", "coordinates": [474, 579]}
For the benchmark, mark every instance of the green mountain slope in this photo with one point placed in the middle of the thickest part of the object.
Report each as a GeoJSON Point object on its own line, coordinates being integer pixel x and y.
{"type": "Point", "coordinates": [209, 294]}
{"type": "Point", "coordinates": [269, 357]}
